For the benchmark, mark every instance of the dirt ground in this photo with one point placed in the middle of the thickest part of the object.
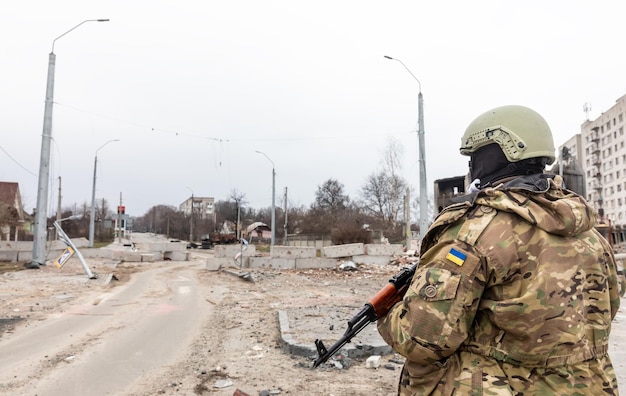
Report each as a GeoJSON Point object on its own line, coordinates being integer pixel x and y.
{"type": "Point", "coordinates": [239, 348]}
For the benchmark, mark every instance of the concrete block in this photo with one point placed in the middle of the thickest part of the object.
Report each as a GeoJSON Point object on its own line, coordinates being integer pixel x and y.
{"type": "Point", "coordinates": [148, 257]}
{"type": "Point", "coordinates": [283, 263]}
{"type": "Point", "coordinates": [352, 249]}
{"type": "Point", "coordinates": [25, 256]}
{"type": "Point", "coordinates": [371, 260]}
{"type": "Point", "coordinates": [259, 262]}
{"type": "Point", "coordinates": [127, 256]}
{"type": "Point", "coordinates": [174, 246]}
{"type": "Point", "coordinates": [17, 246]}
{"type": "Point", "coordinates": [176, 256]}
{"type": "Point", "coordinates": [379, 249]}
{"type": "Point", "coordinates": [60, 245]}
{"type": "Point", "coordinates": [293, 252]}
{"type": "Point", "coordinates": [151, 247]}
{"type": "Point", "coordinates": [275, 263]}
{"type": "Point", "coordinates": [96, 253]}
{"type": "Point", "coordinates": [80, 242]}
{"type": "Point", "coordinates": [320, 262]}
{"type": "Point", "coordinates": [55, 245]}
{"type": "Point", "coordinates": [229, 251]}
{"type": "Point", "coordinates": [8, 255]}
{"type": "Point", "coordinates": [7, 245]}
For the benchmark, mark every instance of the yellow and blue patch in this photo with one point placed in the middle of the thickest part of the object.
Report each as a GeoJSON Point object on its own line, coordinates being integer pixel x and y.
{"type": "Point", "coordinates": [456, 257]}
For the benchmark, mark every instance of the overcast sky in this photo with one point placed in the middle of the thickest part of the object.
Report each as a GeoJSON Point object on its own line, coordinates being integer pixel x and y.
{"type": "Point", "coordinates": [192, 89]}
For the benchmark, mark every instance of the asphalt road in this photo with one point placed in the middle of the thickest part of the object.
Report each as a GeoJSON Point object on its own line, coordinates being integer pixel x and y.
{"type": "Point", "coordinates": [112, 340]}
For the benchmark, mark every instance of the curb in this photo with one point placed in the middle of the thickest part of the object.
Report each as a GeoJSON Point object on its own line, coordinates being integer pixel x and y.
{"type": "Point", "coordinates": [351, 350]}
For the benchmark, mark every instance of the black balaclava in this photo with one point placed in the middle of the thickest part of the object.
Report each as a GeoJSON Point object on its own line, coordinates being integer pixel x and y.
{"type": "Point", "coordinates": [489, 164]}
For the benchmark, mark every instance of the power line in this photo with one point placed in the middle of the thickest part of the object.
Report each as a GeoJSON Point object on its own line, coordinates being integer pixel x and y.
{"type": "Point", "coordinates": [16, 162]}
{"type": "Point", "coordinates": [224, 140]}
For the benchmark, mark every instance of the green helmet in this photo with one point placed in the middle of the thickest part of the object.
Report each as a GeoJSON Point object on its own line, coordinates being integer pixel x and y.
{"type": "Point", "coordinates": [520, 132]}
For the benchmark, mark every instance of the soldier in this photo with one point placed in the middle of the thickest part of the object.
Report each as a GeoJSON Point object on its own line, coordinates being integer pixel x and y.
{"type": "Point", "coordinates": [515, 291]}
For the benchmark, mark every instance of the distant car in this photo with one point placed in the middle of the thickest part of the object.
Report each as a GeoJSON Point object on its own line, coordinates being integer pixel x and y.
{"type": "Point", "coordinates": [206, 242]}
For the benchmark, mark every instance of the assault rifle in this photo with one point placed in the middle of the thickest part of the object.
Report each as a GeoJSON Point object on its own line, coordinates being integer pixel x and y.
{"type": "Point", "coordinates": [375, 308]}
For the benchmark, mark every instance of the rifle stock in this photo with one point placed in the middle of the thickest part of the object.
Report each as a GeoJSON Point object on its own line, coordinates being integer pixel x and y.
{"type": "Point", "coordinates": [376, 307]}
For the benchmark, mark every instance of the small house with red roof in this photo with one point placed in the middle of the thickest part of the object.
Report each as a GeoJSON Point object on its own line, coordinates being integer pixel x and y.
{"type": "Point", "coordinates": [12, 218]}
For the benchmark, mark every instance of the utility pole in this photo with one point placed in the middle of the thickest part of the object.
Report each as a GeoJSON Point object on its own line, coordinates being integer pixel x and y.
{"type": "Point", "coordinates": [41, 215]}
{"type": "Point", "coordinates": [285, 227]}
{"type": "Point", "coordinates": [407, 217]}
{"type": "Point", "coordinates": [273, 200]}
{"type": "Point", "coordinates": [104, 215]}
{"type": "Point", "coordinates": [119, 221]}
{"type": "Point", "coordinates": [423, 197]}
{"type": "Point", "coordinates": [58, 209]}
{"type": "Point", "coordinates": [92, 216]}
{"type": "Point", "coordinates": [238, 233]}
{"type": "Point", "coordinates": [192, 219]}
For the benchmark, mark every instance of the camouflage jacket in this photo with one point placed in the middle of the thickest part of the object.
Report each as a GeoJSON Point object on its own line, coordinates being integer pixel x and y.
{"type": "Point", "coordinates": [514, 295]}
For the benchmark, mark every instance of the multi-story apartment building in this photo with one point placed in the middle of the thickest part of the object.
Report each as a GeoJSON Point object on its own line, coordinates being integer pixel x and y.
{"type": "Point", "coordinates": [202, 207]}
{"type": "Point", "coordinates": [604, 165]}
{"type": "Point", "coordinates": [569, 164]}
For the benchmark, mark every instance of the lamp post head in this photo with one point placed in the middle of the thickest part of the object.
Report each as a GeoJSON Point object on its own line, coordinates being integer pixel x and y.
{"type": "Point", "coordinates": [85, 21]}
{"type": "Point", "coordinates": [112, 140]}
{"type": "Point", "coordinates": [72, 217]}
{"type": "Point", "coordinates": [266, 156]}
{"type": "Point", "coordinates": [407, 69]}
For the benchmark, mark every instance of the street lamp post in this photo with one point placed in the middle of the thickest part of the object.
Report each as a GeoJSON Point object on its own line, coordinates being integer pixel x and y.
{"type": "Point", "coordinates": [191, 221]}
{"type": "Point", "coordinates": [423, 222]}
{"type": "Point", "coordinates": [273, 199]}
{"type": "Point", "coordinates": [41, 214]}
{"type": "Point", "coordinates": [92, 216]}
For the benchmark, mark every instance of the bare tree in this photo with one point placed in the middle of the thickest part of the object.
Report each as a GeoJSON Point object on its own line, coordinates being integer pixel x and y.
{"type": "Point", "coordinates": [383, 191]}
{"type": "Point", "coordinates": [392, 156]}
{"type": "Point", "coordinates": [374, 196]}
{"type": "Point", "coordinates": [330, 196]}
{"type": "Point", "coordinates": [392, 160]}
{"type": "Point", "coordinates": [330, 207]}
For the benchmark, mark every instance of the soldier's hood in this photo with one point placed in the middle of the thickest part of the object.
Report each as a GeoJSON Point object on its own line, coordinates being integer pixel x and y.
{"type": "Point", "coordinates": [542, 201]}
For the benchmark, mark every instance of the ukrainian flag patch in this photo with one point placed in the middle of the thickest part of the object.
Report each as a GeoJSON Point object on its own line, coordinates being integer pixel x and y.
{"type": "Point", "coordinates": [456, 257]}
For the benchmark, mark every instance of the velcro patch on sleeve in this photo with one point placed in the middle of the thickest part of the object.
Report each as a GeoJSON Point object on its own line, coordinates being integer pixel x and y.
{"type": "Point", "coordinates": [456, 257]}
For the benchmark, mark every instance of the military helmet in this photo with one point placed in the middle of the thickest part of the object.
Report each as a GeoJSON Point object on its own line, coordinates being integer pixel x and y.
{"type": "Point", "coordinates": [520, 132]}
